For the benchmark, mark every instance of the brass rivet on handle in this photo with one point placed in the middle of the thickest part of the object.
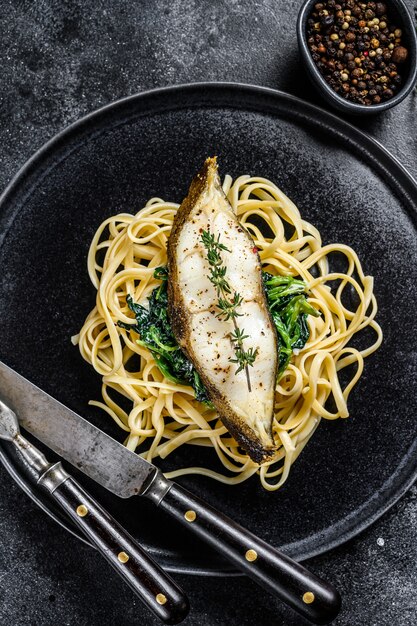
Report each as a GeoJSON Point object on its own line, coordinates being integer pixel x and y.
{"type": "Point", "coordinates": [251, 555]}
{"type": "Point", "coordinates": [161, 599]}
{"type": "Point", "coordinates": [123, 557]}
{"type": "Point", "coordinates": [190, 516]}
{"type": "Point", "coordinates": [82, 510]}
{"type": "Point", "coordinates": [308, 597]}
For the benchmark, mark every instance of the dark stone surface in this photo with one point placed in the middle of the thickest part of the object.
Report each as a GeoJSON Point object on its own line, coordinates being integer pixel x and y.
{"type": "Point", "coordinates": [59, 61]}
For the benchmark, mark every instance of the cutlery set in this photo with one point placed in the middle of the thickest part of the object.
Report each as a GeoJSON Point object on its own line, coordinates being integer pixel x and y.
{"type": "Point", "coordinates": [126, 474]}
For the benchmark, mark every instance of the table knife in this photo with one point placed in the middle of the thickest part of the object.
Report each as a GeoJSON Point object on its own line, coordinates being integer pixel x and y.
{"type": "Point", "coordinates": [126, 474]}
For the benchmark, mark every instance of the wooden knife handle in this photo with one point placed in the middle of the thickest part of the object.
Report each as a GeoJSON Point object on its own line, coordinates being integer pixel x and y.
{"type": "Point", "coordinates": [153, 586]}
{"type": "Point", "coordinates": [312, 597]}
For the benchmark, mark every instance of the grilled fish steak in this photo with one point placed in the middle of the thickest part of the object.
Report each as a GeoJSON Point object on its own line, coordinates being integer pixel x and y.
{"type": "Point", "coordinates": [246, 410]}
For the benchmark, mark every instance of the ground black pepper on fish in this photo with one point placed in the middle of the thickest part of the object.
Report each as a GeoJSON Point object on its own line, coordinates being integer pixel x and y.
{"type": "Point", "coordinates": [358, 49]}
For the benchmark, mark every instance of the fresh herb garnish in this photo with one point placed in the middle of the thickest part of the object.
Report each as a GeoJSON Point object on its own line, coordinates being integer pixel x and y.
{"type": "Point", "coordinates": [228, 305]}
{"type": "Point", "coordinates": [287, 302]}
{"type": "Point", "coordinates": [289, 308]}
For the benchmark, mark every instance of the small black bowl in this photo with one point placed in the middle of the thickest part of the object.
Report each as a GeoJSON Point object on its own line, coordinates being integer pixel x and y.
{"type": "Point", "coordinates": [398, 10]}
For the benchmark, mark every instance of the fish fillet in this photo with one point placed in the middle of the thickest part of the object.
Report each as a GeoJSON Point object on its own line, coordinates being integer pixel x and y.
{"type": "Point", "coordinates": [246, 412]}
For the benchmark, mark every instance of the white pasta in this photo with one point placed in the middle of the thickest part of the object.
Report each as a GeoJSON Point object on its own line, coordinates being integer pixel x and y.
{"type": "Point", "coordinates": [164, 415]}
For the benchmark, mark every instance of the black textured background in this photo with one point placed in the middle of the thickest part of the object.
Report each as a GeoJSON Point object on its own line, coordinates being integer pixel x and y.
{"type": "Point", "coordinates": [60, 60]}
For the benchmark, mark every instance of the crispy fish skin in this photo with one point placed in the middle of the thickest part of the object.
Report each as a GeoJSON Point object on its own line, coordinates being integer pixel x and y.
{"type": "Point", "coordinates": [202, 336]}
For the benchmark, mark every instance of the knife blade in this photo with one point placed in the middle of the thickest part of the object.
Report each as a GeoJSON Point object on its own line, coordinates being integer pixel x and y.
{"type": "Point", "coordinates": [71, 436]}
{"type": "Point", "coordinates": [126, 474]}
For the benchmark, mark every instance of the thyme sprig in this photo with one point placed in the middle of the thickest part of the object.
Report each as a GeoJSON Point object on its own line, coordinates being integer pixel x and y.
{"type": "Point", "coordinates": [228, 303]}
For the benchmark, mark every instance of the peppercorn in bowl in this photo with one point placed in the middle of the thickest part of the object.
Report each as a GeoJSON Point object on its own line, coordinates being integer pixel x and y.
{"type": "Point", "coordinates": [362, 56]}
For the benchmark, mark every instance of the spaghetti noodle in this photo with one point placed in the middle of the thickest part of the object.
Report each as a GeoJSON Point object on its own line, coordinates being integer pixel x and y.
{"type": "Point", "coordinates": [164, 415]}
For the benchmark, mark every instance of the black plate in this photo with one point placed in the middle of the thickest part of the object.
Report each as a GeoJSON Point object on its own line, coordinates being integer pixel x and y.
{"type": "Point", "coordinates": [152, 144]}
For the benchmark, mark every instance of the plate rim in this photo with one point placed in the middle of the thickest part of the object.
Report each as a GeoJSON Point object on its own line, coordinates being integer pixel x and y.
{"type": "Point", "coordinates": [406, 473]}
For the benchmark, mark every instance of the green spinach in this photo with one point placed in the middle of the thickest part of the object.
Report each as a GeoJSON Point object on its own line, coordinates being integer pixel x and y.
{"type": "Point", "coordinates": [289, 309]}
{"type": "Point", "coordinates": [155, 332]}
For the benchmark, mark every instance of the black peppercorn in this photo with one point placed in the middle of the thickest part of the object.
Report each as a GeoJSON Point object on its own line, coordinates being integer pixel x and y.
{"type": "Point", "coordinates": [327, 22]}
{"type": "Point", "coordinates": [381, 8]}
{"type": "Point", "coordinates": [351, 49]}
